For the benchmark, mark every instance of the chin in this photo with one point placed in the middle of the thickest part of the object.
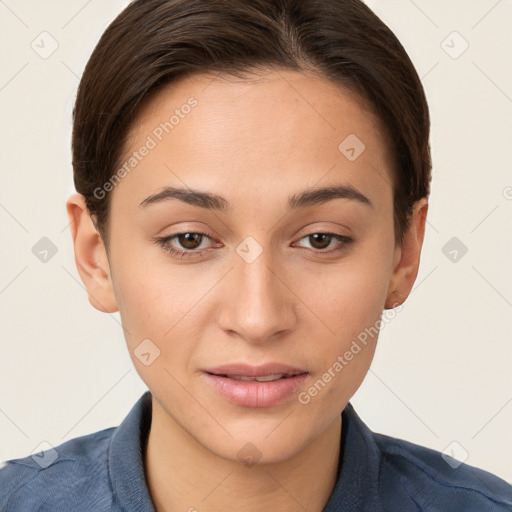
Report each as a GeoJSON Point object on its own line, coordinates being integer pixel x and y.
{"type": "Point", "coordinates": [252, 444]}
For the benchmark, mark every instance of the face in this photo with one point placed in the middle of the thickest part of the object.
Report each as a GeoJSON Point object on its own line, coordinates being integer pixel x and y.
{"type": "Point", "coordinates": [263, 269]}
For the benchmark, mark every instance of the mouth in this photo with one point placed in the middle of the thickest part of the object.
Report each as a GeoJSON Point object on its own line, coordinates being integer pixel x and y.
{"type": "Point", "coordinates": [259, 378]}
{"type": "Point", "coordinates": [256, 386]}
{"type": "Point", "coordinates": [242, 371]}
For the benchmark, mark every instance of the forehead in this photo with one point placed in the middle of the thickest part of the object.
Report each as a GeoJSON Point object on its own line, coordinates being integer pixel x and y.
{"type": "Point", "coordinates": [272, 129]}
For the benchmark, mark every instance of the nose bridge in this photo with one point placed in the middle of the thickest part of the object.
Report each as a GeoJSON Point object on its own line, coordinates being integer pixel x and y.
{"type": "Point", "coordinates": [261, 305]}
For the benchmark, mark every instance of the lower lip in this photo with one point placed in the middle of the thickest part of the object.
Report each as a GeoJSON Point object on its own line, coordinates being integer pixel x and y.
{"type": "Point", "coordinates": [251, 393]}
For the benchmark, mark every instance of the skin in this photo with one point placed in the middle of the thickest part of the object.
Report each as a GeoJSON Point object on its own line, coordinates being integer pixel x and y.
{"type": "Point", "coordinates": [255, 142]}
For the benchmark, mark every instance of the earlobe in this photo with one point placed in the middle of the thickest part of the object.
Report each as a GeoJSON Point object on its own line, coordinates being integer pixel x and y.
{"type": "Point", "coordinates": [407, 257]}
{"type": "Point", "coordinates": [90, 256]}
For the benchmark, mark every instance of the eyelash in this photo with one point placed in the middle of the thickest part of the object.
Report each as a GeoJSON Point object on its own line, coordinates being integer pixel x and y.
{"type": "Point", "coordinates": [164, 243]}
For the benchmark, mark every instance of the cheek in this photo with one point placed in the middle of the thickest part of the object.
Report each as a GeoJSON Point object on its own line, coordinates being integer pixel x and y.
{"type": "Point", "coordinates": [348, 296]}
{"type": "Point", "coordinates": [349, 306]}
{"type": "Point", "coordinates": [347, 303]}
{"type": "Point", "coordinates": [162, 302]}
{"type": "Point", "coordinates": [143, 294]}
{"type": "Point", "coordinates": [156, 307]}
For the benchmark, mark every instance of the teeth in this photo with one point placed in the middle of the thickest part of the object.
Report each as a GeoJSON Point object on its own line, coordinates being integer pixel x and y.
{"type": "Point", "coordinates": [265, 378]}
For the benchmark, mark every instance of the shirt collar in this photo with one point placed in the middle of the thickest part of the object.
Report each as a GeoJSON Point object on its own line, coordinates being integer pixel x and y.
{"type": "Point", "coordinates": [125, 458]}
{"type": "Point", "coordinates": [355, 488]}
{"type": "Point", "coordinates": [358, 470]}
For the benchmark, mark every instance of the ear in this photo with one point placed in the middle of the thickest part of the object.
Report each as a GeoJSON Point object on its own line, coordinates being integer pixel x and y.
{"type": "Point", "coordinates": [407, 258]}
{"type": "Point", "coordinates": [90, 256]}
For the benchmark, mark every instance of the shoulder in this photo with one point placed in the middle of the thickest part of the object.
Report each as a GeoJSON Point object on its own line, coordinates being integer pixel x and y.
{"type": "Point", "coordinates": [434, 481]}
{"type": "Point", "coordinates": [66, 477]}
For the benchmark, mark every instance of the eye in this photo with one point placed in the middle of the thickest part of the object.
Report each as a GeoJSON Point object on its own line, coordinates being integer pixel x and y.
{"type": "Point", "coordinates": [189, 243]}
{"type": "Point", "coordinates": [320, 241]}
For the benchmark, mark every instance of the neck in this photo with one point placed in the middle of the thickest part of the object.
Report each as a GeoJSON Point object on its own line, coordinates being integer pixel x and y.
{"type": "Point", "coordinates": [183, 475]}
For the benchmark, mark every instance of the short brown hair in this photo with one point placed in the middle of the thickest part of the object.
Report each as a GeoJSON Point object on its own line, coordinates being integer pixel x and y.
{"type": "Point", "coordinates": [153, 42]}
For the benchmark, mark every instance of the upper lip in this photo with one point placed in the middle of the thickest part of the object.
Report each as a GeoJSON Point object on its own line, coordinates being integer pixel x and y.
{"type": "Point", "coordinates": [247, 370]}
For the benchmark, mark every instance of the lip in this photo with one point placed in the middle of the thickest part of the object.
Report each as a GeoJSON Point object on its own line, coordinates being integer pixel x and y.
{"type": "Point", "coordinates": [254, 393]}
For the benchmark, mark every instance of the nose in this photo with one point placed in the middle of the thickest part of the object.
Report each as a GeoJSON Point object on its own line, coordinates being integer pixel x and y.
{"type": "Point", "coordinates": [258, 301]}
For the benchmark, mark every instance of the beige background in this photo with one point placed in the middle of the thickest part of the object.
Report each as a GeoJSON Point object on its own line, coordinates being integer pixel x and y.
{"type": "Point", "coordinates": [442, 368]}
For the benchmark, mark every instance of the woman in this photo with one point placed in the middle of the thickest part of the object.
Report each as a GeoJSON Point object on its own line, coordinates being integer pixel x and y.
{"type": "Point", "coordinates": [252, 188]}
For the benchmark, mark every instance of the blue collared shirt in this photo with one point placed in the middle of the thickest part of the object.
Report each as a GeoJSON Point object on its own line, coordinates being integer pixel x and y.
{"type": "Point", "coordinates": [104, 471]}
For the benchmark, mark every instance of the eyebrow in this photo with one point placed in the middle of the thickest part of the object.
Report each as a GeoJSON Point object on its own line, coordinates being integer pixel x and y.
{"type": "Point", "coordinates": [211, 201]}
